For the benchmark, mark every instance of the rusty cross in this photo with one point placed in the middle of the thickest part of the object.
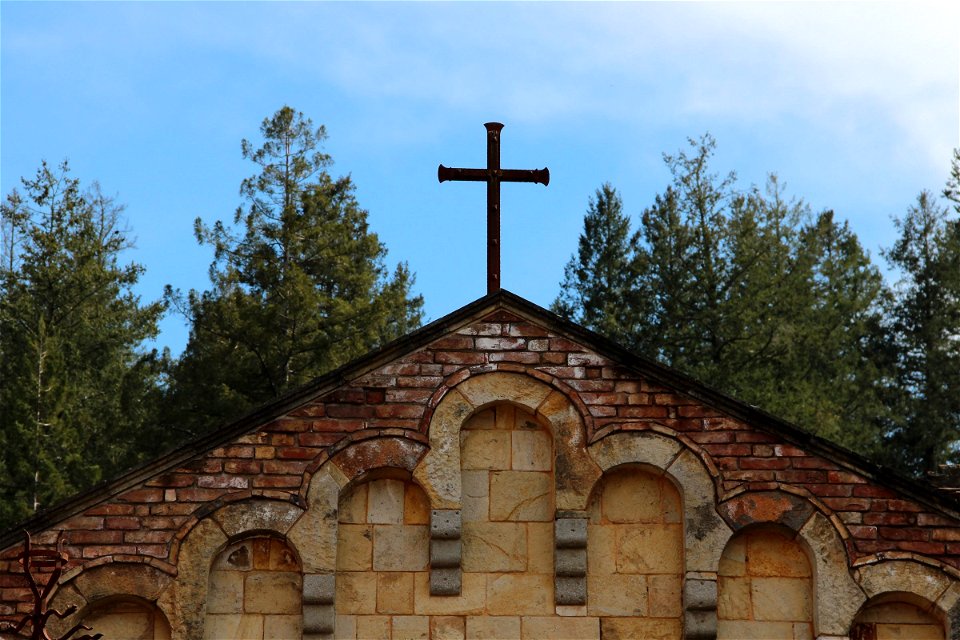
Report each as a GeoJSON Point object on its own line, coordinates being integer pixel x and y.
{"type": "Point", "coordinates": [493, 175]}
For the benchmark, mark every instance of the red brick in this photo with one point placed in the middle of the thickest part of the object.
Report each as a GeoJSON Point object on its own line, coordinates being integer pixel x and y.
{"type": "Point", "coordinates": [712, 437]}
{"type": "Point", "coordinates": [591, 385]}
{"type": "Point", "coordinates": [345, 396]}
{"type": "Point", "coordinates": [901, 505]}
{"type": "Point", "coordinates": [749, 476]}
{"type": "Point", "coordinates": [408, 382]}
{"type": "Point", "coordinates": [500, 344]}
{"type": "Point", "coordinates": [523, 357]}
{"type": "Point", "coordinates": [787, 450]}
{"type": "Point", "coordinates": [562, 344]}
{"type": "Point", "coordinates": [764, 463]}
{"type": "Point", "coordinates": [609, 397]}
{"type": "Point", "coordinates": [588, 359]}
{"type": "Point", "coordinates": [810, 462]}
{"type": "Point", "coordinates": [872, 491]}
{"type": "Point", "coordinates": [593, 373]}
{"type": "Point", "coordinates": [753, 436]}
{"type": "Point", "coordinates": [99, 551]}
{"type": "Point", "coordinates": [241, 466]}
{"type": "Point", "coordinates": [885, 518]}
{"type": "Point", "coordinates": [802, 476]}
{"type": "Point", "coordinates": [835, 490]}
{"type": "Point", "coordinates": [399, 411]}
{"type": "Point", "coordinates": [297, 453]}
{"type": "Point", "coordinates": [461, 357]}
{"type": "Point", "coordinates": [110, 509]}
{"type": "Point", "coordinates": [526, 329]}
{"type": "Point", "coordinates": [282, 439]}
{"type": "Point", "coordinates": [317, 439]}
{"type": "Point", "coordinates": [278, 482]}
{"type": "Point", "coordinates": [926, 519]}
{"type": "Point", "coordinates": [155, 550]}
{"type": "Point", "coordinates": [452, 343]}
{"type": "Point", "coordinates": [845, 477]}
{"type": "Point", "coordinates": [223, 482]}
{"type": "Point", "coordinates": [177, 508]}
{"type": "Point", "coordinates": [142, 495]}
{"type": "Point", "coordinates": [860, 531]}
{"type": "Point", "coordinates": [374, 395]}
{"type": "Point", "coordinates": [903, 533]}
{"type": "Point", "coordinates": [928, 548]}
{"type": "Point", "coordinates": [553, 358]}
{"type": "Point", "coordinates": [192, 494]}
{"type": "Point", "coordinates": [349, 410]}
{"type": "Point", "coordinates": [717, 424]}
{"type": "Point", "coordinates": [283, 467]}
{"type": "Point", "coordinates": [728, 449]}
{"type": "Point", "coordinates": [172, 480]}
{"type": "Point", "coordinates": [148, 537]}
{"type": "Point", "coordinates": [643, 411]}
{"type": "Point", "coordinates": [94, 537]}
{"type": "Point", "coordinates": [121, 523]}
{"type": "Point", "coordinates": [696, 411]}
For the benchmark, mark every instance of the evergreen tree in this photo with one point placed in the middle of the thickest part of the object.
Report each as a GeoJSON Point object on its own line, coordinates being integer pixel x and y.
{"type": "Point", "coordinates": [925, 322]}
{"type": "Point", "coordinates": [299, 290]}
{"type": "Point", "coordinates": [745, 290]}
{"type": "Point", "coordinates": [72, 376]}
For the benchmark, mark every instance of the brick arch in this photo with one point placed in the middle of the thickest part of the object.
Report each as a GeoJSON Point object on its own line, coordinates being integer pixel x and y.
{"type": "Point", "coordinates": [439, 470]}
{"type": "Point", "coordinates": [920, 581]}
{"type": "Point", "coordinates": [108, 581]}
{"type": "Point", "coordinates": [822, 539]}
{"type": "Point", "coordinates": [206, 538]}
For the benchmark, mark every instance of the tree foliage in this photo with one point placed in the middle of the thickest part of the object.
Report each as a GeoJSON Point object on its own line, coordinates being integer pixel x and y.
{"type": "Point", "coordinates": [744, 289]}
{"type": "Point", "coordinates": [299, 284]}
{"type": "Point", "coordinates": [75, 386]}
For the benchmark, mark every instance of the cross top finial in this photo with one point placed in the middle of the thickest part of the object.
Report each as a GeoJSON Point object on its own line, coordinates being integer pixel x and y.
{"type": "Point", "coordinates": [493, 175]}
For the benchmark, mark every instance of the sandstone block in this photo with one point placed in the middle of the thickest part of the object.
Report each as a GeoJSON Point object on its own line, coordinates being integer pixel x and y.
{"type": "Point", "coordinates": [357, 593]}
{"type": "Point", "coordinates": [272, 592]}
{"type": "Point", "coordinates": [617, 595]}
{"type": "Point", "coordinates": [646, 628]}
{"type": "Point", "coordinates": [539, 547]}
{"type": "Point", "coordinates": [781, 599]}
{"type": "Point", "coordinates": [521, 496]}
{"type": "Point", "coordinates": [535, 627]}
{"type": "Point", "coordinates": [385, 501]}
{"type": "Point", "coordinates": [400, 548]}
{"type": "Point", "coordinates": [654, 548]}
{"type": "Point", "coordinates": [663, 596]}
{"type": "Point", "coordinates": [485, 449]}
{"type": "Point", "coordinates": [469, 601]}
{"type": "Point", "coordinates": [602, 549]}
{"type": "Point", "coordinates": [481, 420]}
{"type": "Point", "coordinates": [283, 626]}
{"type": "Point", "coordinates": [631, 496]}
{"type": "Point", "coordinates": [491, 387]}
{"type": "Point", "coordinates": [622, 448]}
{"type": "Point", "coordinates": [346, 628]}
{"type": "Point", "coordinates": [531, 451]}
{"type": "Point", "coordinates": [233, 626]}
{"type": "Point", "coordinates": [488, 627]}
{"type": "Point", "coordinates": [733, 598]}
{"type": "Point", "coordinates": [395, 592]}
{"type": "Point", "coordinates": [476, 496]}
{"type": "Point", "coordinates": [314, 535]}
{"type": "Point", "coordinates": [753, 630]}
{"type": "Point", "coordinates": [411, 628]}
{"type": "Point", "coordinates": [523, 594]}
{"type": "Point", "coordinates": [447, 628]}
{"type": "Point", "coordinates": [772, 554]}
{"type": "Point", "coordinates": [225, 594]}
{"type": "Point", "coordinates": [354, 547]}
{"type": "Point", "coordinates": [257, 515]}
{"type": "Point", "coordinates": [494, 546]}
{"type": "Point", "coordinates": [416, 505]}
{"type": "Point", "coordinates": [733, 562]}
{"type": "Point", "coordinates": [373, 627]}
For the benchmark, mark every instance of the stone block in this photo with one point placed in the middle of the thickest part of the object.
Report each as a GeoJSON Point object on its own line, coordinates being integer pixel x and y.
{"type": "Point", "coordinates": [416, 505]}
{"type": "Point", "coordinates": [570, 591]}
{"type": "Point", "coordinates": [630, 496]}
{"type": "Point", "coordinates": [317, 618]}
{"type": "Point", "coordinates": [571, 563]}
{"type": "Point", "coordinates": [645, 628]}
{"type": "Point", "coordinates": [445, 553]}
{"type": "Point", "coordinates": [469, 600]}
{"type": "Point", "coordinates": [771, 554]}
{"type": "Point", "coordinates": [272, 592]}
{"type": "Point", "coordinates": [373, 627]}
{"type": "Point", "coordinates": [476, 496]}
{"type": "Point", "coordinates": [319, 588]}
{"type": "Point", "coordinates": [411, 628]}
{"type": "Point", "coordinates": [539, 547]}
{"type": "Point", "coordinates": [622, 448]}
{"type": "Point", "coordinates": [354, 547]}
{"type": "Point", "coordinates": [395, 592]}
{"type": "Point", "coordinates": [446, 582]}
{"type": "Point", "coordinates": [357, 593]}
{"type": "Point", "coordinates": [700, 595]}
{"type": "Point", "coordinates": [288, 626]}
{"type": "Point", "coordinates": [353, 504]}
{"type": "Point", "coordinates": [652, 548]}
{"type": "Point", "coordinates": [488, 627]}
{"type": "Point", "coordinates": [257, 515]}
{"type": "Point", "coordinates": [346, 628]}
{"type": "Point", "coordinates": [617, 595]}
{"type": "Point", "coordinates": [733, 562]}
{"type": "Point", "coordinates": [447, 628]}
{"type": "Point", "coordinates": [445, 524]}
{"type": "Point", "coordinates": [831, 576]}
{"type": "Point", "coordinates": [439, 471]}
{"type": "Point", "coordinates": [400, 548]}
{"type": "Point", "coordinates": [385, 501]}
{"type": "Point", "coordinates": [494, 546]}
{"type": "Point", "coordinates": [531, 450]}
{"type": "Point", "coordinates": [314, 535]}
{"type": "Point", "coordinates": [519, 594]}
{"type": "Point", "coordinates": [752, 630]}
{"type": "Point", "coordinates": [536, 627]}
{"type": "Point", "coordinates": [232, 626]}
{"type": "Point", "coordinates": [733, 598]}
{"type": "Point", "coordinates": [570, 533]}
{"type": "Point", "coordinates": [602, 549]}
{"type": "Point", "coordinates": [663, 596]}
{"type": "Point", "coordinates": [492, 387]}
{"type": "Point", "coordinates": [485, 449]}
{"type": "Point", "coordinates": [485, 419]}
{"type": "Point", "coordinates": [521, 496]}
{"type": "Point", "coordinates": [225, 594]}
{"type": "Point", "coordinates": [778, 599]}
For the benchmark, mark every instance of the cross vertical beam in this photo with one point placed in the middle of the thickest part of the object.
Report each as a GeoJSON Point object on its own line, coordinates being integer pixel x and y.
{"type": "Point", "coordinates": [493, 175]}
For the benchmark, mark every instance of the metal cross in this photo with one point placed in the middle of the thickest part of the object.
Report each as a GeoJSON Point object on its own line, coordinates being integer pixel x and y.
{"type": "Point", "coordinates": [493, 175]}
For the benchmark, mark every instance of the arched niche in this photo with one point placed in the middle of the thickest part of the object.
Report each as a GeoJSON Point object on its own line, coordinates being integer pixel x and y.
{"type": "Point", "coordinates": [635, 553]}
{"type": "Point", "coordinates": [126, 618]}
{"type": "Point", "coordinates": [254, 590]}
{"type": "Point", "coordinates": [898, 615]}
{"type": "Point", "coordinates": [765, 585]}
{"type": "Point", "coordinates": [920, 584]}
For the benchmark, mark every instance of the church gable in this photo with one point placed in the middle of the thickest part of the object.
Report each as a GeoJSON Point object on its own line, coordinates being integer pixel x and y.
{"type": "Point", "coordinates": [503, 473]}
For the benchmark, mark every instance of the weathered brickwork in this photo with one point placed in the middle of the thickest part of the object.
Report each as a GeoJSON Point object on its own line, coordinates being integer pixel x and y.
{"type": "Point", "coordinates": [515, 420]}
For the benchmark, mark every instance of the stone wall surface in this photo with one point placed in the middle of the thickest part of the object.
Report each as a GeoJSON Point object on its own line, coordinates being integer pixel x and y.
{"type": "Point", "coordinates": [508, 479]}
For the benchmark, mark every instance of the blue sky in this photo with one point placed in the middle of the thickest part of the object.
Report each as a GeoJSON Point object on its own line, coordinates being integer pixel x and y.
{"type": "Point", "coordinates": [856, 106]}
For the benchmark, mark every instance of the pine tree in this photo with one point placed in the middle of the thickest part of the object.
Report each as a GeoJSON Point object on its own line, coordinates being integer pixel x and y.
{"type": "Point", "coordinates": [925, 323]}
{"type": "Point", "coordinates": [300, 289]}
{"type": "Point", "coordinates": [72, 373]}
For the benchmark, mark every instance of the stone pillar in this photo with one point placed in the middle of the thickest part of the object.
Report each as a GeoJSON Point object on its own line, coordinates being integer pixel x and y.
{"type": "Point", "coordinates": [570, 558]}
{"type": "Point", "coordinates": [445, 552]}
{"type": "Point", "coordinates": [319, 614]}
{"type": "Point", "coordinates": [699, 606]}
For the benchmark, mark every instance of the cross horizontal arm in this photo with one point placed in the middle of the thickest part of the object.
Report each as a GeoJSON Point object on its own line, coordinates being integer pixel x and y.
{"type": "Point", "coordinates": [541, 176]}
